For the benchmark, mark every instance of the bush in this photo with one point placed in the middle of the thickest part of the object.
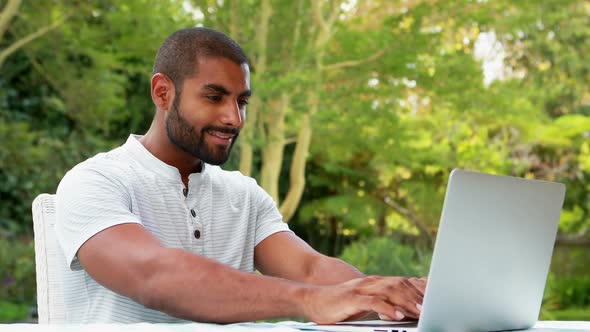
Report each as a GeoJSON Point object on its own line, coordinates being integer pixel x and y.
{"type": "Point", "coordinates": [18, 288]}
{"type": "Point", "coordinates": [567, 292]}
{"type": "Point", "coordinates": [386, 256]}
{"type": "Point", "coordinates": [567, 298]}
{"type": "Point", "coordinates": [11, 312]}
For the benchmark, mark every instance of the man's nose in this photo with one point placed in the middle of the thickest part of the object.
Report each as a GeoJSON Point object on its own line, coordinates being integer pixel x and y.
{"type": "Point", "coordinates": [232, 115]}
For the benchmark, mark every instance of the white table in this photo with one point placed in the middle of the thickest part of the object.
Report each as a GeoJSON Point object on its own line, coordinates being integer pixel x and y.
{"type": "Point", "coordinates": [547, 326]}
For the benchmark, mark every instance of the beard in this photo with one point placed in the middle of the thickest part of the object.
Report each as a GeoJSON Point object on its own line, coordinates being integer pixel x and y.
{"type": "Point", "coordinates": [185, 137]}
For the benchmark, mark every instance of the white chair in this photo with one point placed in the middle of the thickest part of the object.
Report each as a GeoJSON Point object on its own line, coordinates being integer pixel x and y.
{"type": "Point", "coordinates": [49, 260]}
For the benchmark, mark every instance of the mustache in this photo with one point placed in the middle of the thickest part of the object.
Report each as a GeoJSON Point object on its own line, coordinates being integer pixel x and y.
{"type": "Point", "coordinates": [225, 130]}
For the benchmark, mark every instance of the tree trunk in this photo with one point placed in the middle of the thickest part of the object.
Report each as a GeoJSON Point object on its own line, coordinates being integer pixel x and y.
{"type": "Point", "coordinates": [273, 149]}
{"type": "Point", "coordinates": [246, 145]}
{"type": "Point", "coordinates": [297, 174]}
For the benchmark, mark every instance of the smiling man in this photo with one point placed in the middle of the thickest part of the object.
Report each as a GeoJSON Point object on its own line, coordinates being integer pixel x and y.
{"type": "Point", "coordinates": [155, 231]}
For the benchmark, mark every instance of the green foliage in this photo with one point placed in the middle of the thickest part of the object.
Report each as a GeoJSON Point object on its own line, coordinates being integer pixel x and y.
{"type": "Point", "coordinates": [386, 256]}
{"type": "Point", "coordinates": [23, 171]}
{"type": "Point", "coordinates": [17, 279]}
{"type": "Point", "coordinates": [566, 298]}
{"type": "Point", "coordinates": [426, 111]}
{"type": "Point", "coordinates": [355, 212]}
{"type": "Point", "coordinates": [568, 292]}
{"type": "Point", "coordinates": [11, 312]}
{"type": "Point", "coordinates": [76, 91]}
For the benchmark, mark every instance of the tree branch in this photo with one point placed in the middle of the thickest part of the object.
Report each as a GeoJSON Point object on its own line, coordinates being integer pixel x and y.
{"type": "Point", "coordinates": [290, 140]}
{"type": "Point", "coordinates": [7, 14]}
{"type": "Point", "coordinates": [27, 39]}
{"type": "Point", "coordinates": [410, 215]}
{"type": "Point", "coordinates": [333, 15]}
{"type": "Point", "coordinates": [316, 13]}
{"type": "Point", "coordinates": [353, 63]}
{"type": "Point", "coordinates": [37, 66]}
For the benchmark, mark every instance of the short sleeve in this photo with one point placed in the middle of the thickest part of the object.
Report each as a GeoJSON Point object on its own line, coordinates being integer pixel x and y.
{"type": "Point", "coordinates": [88, 202]}
{"type": "Point", "coordinates": [269, 220]}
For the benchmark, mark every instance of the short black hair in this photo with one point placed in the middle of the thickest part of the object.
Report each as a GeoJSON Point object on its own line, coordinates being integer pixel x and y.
{"type": "Point", "coordinates": [178, 55]}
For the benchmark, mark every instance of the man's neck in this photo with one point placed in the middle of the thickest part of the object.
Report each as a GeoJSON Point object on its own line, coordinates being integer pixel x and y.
{"type": "Point", "coordinates": [158, 144]}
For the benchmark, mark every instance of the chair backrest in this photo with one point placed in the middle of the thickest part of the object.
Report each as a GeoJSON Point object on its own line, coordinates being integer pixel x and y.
{"type": "Point", "coordinates": [48, 259]}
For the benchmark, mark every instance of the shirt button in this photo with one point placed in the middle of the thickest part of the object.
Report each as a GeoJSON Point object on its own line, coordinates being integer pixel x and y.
{"type": "Point", "coordinates": [193, 213]}
{"type": "Point", "coordinates": [197, 234]}
{"type": "Point", "coordinates": [185, 192]}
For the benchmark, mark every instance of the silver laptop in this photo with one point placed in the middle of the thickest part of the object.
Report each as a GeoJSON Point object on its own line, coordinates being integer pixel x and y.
{"type": "Point", "coordinates": [492, 253]}
{"type": "Point", "coordinates": [491, 256]}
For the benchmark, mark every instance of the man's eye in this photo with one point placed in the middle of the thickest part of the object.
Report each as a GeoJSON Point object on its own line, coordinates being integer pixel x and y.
{"type": "Point", "coordinates": [214, 98]}
{"type": "Point", "coordinates": [243, 102]}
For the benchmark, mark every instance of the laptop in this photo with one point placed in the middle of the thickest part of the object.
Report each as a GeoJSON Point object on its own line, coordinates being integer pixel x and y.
{"type": "Point", "coordinates": [491, 257]}
{"type": "Point", "coordinates": [492, 253]}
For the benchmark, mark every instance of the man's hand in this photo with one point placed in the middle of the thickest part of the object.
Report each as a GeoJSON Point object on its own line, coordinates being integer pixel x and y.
{"type": "Point", "coordinates": [419, 283]}
{"type": "Point", "coordinates": [393, 298]}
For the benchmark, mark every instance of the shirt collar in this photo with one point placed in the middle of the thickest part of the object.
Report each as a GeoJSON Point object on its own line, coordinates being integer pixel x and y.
{"type": "Point", "coordinates": [148, 160]}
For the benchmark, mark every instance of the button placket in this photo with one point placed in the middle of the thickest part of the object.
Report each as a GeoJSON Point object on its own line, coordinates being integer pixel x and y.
{"type": "Point", "coordinates": [197, 226]}
{"type": "Point", "coordinates": [197, 232]}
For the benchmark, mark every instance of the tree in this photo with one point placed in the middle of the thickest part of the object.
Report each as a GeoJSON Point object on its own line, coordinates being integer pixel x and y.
{"type": "Point", "coordinates": [436, 112]}
{"type": "Point", "coordinates": [290, 68]}
{"type": "Point", "coordinates": [8, 14]}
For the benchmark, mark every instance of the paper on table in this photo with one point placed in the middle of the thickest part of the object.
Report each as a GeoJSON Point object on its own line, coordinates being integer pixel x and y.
{"type": "Point", "coordinates": [387, 326]}
{"type": "Point", "coordinates": [378, 323]}
{"type": "Point", "coordinates": [355, 326]}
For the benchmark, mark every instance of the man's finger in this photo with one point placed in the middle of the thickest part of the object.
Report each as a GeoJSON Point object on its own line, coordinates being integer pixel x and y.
{"type": "Point", "coordinates": [399, 316]}
{"type": "Point", "coordinates": [420, 284]}
{"type": "Point", "coordinates": [398, 292]}
{"type": "Point", "coordinates": [415, 288]}
{"type": "Point", "coordinates": [382, 308]}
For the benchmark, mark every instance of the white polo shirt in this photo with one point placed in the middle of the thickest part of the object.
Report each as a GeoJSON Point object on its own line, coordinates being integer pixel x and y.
{"type": "Point", "coordinates": [223, 216]}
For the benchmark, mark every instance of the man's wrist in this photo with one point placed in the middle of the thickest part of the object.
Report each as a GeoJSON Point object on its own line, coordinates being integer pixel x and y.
{"type": "Point", "coordinates": [302, 295]}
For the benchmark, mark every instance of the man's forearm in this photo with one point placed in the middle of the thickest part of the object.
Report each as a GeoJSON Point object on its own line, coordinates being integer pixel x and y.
{"type": "Point", "coordinates": [192, 287]}
{"type": "Point", "coordinates": [329, 271]}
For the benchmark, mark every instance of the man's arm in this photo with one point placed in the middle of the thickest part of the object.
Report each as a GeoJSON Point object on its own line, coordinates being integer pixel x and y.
{"type": "Point", "coordinates": [129, 260]}
{"type": "Point", "coordinates": [285, 255]}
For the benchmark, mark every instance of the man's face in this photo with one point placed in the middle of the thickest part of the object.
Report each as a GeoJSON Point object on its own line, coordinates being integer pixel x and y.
{"type": "Point", "coordinates": [206, 118]}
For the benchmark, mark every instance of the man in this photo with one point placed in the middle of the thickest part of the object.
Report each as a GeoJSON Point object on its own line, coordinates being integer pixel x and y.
{"type": "Point", "coordinates": [153, 231]}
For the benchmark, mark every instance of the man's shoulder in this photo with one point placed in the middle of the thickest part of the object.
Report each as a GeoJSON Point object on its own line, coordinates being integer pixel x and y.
{"type": "Point", "coordinates": [112, 164]}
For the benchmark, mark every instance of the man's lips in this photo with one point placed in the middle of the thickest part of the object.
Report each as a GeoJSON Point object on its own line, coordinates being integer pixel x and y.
{"type": "Point", "coordinates": [220, 134]}
{"type": "Point", "coordinates": [221, 138]}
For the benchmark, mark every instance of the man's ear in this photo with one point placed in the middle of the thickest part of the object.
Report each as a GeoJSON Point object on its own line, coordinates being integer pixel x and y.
{"type": "Point", "coordinates": [162, 91]}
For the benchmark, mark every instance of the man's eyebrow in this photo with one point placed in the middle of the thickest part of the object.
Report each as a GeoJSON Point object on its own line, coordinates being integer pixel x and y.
{"type": "Point", "coordinates": [221, 89]}
{"type": "Point", "coordinates": [246, 93]}
{"type": "Point", "coordinates": [217, 88]}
